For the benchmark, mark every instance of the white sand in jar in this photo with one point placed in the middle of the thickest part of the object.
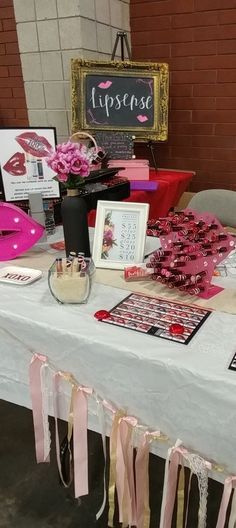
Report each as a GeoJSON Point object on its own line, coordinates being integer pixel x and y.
{"type": "Point", "coordinates": [70, 288]}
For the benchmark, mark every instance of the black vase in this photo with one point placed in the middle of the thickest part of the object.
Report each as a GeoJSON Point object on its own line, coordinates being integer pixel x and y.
{"type": "Point", "coordinates": [75, 223]}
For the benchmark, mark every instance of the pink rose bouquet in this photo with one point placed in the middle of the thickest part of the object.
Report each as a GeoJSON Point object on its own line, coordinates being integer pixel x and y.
{"type": "Point", "coordinates": [71, 162]}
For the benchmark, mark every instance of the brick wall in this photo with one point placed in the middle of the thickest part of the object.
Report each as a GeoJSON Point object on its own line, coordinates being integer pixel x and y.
{"type": "Point", "coordinates": [13, 111]}
{"type": "Point", "coordinates": [198, 40]}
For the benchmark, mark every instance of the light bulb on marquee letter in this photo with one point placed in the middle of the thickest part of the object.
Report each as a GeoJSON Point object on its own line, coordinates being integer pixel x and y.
{"type": "Point", "coordinates": [19, 232]}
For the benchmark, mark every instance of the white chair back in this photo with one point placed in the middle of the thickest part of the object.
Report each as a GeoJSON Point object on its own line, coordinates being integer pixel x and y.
{"type": "Point", "coordinates": [220, 202]}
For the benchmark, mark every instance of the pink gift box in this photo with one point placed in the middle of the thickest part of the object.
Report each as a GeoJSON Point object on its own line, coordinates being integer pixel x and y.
{"type": "Point", "coordinates": [135, 169]}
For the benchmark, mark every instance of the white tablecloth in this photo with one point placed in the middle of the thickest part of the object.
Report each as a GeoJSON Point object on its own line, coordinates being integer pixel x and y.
{"type": "Point", "coordinates": [186, 391]}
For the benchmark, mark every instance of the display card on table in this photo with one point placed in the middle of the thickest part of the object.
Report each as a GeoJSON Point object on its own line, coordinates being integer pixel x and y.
{"type": "Point", "coordinates": [158, 317]}
{"type": "Point", "coordinates": [117, 145]}
{"type": "Point", "coordinates": [18, 275]}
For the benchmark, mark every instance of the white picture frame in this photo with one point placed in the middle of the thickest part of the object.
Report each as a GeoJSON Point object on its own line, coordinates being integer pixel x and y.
{"type": "Point", "coordinates": [120, 233]}
{"type": "Point", "coordinates": [23, 166]}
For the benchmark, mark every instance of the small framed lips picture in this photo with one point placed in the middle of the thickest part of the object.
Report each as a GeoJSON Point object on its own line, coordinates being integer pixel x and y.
{"type": "Point", "coordinates": [120, 233]}
{"type": "Point", "coordinates": [23, 164]}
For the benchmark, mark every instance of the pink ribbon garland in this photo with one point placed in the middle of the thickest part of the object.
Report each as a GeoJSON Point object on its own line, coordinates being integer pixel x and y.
{"type": "Point", "coordinates": [80, 439]}
{"type": "Point", "coordinates": [228, 486]}
{"type": "Point", "coordinates": [142, 477]}
{"type": "Point", "coordinates": [40, 418]}
{"type": "Point", "coordinates": [124, 470]}
{"type": "Point", "coordinates": [130, 494]}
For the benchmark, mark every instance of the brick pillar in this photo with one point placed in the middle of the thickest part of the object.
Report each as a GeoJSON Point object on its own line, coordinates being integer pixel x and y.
{"type": "Point", "coordinates": [13, 111]}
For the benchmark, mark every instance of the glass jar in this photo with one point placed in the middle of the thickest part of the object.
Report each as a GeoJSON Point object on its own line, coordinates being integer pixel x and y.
{"type": "Point", "coordinates": [68, 283]}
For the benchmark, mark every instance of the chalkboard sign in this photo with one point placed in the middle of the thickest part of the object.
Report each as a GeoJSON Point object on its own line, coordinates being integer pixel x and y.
{"type": "Point", "coordinates": [117, 145]}
{"type": "Point", "coordinates": [121, 96]}
{"type": "Point", "coordinates": [115, 100]}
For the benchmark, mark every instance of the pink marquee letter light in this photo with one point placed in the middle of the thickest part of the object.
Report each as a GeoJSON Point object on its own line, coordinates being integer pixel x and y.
{"type": "Point", "coordinates": [18, 231]}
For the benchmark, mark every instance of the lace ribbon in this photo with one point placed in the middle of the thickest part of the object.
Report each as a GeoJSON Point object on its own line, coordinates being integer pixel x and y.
{"type": "Point", "coordinates": [200, 468]}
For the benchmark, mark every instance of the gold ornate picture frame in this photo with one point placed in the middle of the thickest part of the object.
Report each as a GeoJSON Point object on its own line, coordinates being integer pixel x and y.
{"type": "Point", "coordinates": [121, 96]}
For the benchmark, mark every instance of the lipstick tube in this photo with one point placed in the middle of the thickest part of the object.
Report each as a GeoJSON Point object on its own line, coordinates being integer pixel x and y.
{"type": "Point", "coordinates": [59, 267]}
{"type": "Point", "coordinates": [194, 291]}
{"type": "Point", "coordinates": [222, 236]}
{"type": "Point", "coordinates": [222, 249]}
{"type": "Point", "coordinates": [177, 264]}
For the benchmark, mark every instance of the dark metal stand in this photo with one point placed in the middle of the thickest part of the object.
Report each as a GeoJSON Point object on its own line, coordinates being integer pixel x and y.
{"type": "Point", "coordinates": [150, 145]}
{"type": "Point", "coordinates": [121, 37]}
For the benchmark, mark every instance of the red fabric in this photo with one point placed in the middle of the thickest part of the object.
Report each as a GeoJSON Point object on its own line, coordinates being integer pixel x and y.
{"type": "Point", "coordinates": [172, 184]}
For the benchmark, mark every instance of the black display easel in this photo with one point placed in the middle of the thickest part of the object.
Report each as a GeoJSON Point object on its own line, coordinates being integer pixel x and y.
{"type": "Point", "coordinates": [121, 37]}
{"type": "Point", "coordinates": [150, 145]}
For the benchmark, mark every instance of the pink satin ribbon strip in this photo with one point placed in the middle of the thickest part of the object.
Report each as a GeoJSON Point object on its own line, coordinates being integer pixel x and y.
{"type": "Point", "coordinates": [228, 486]}
{"type": "Point", "coordinates": [40, 415]}
{"type": "Point", "coordinates": [232, 519]}
{"type": "Point", "coordinates": [172, 485]}
{"type": "Point", "coordinates": [142, 479]}
{"type": "Point", "coordinates": [174, 458]}
{"type": "Point", "coordinates": [79, 406]}
{"type": "Point", "coordinates": [80, 439]}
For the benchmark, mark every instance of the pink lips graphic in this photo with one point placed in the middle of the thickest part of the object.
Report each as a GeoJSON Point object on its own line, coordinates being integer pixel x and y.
{"type": "Point", "coordinates": [33, 144]}
{"type": "Point", "coordinates": [105, 85]}
{"type": "Point", "coordinates": [16, 165]}
{"type": "Point", "coordinates": [142, 118]}
{"type": "Point", "coordinates": [19, 231]}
